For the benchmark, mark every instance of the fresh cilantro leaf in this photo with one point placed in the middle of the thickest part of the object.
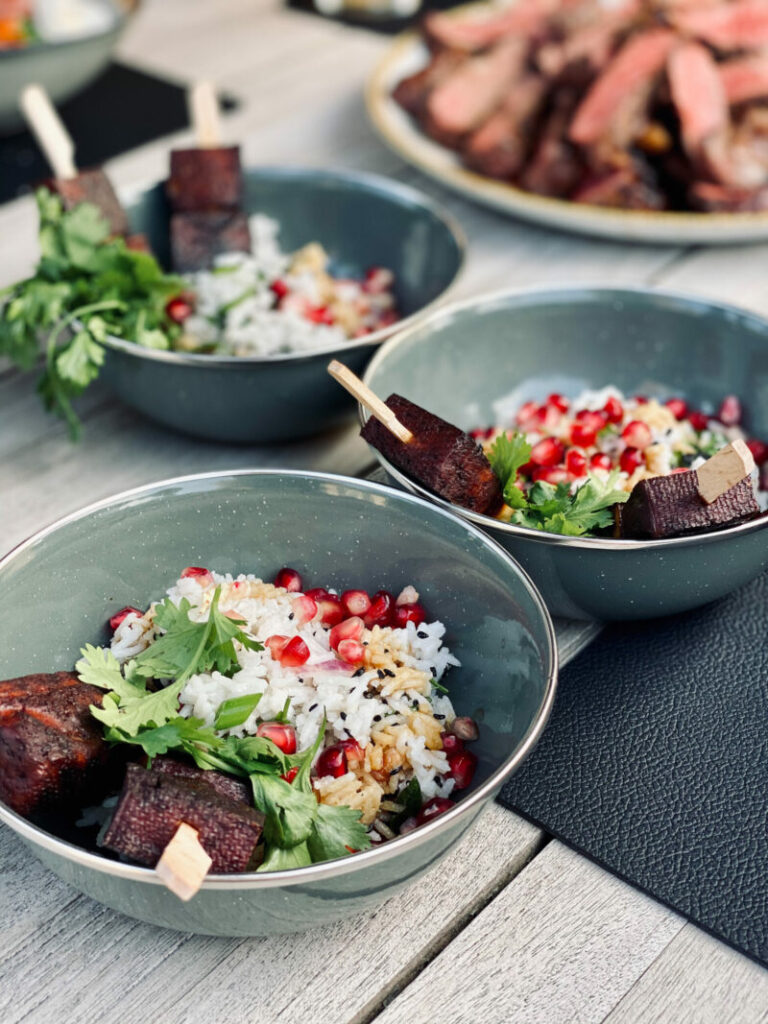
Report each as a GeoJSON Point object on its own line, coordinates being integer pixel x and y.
{"type": "Point", "coordinates": [279, 859]}
{"type": "Point", "coordinates": [514, 496]}
{"type": "Point", "coordinates": [81, 360]}
{"type": "Point", "coordinates": [99, 667]}
{"type": "Point", "coordinates": [290, 812]}
{"type": "Point", "coordinates": [235, 711]}
{"type": "Point", "coordinates": [507, 455]}
{"type": "Point", "coordinates": [555, 509]}
{"type": "Point", "coordinates": [131, 714]}
{"type": "Point", "coordinates": [337, 832]}
{"type": "Point", "coordinates": [177, 734]}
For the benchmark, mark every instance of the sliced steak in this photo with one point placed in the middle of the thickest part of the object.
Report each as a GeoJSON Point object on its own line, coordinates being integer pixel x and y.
{"type": "Point", "coordinates": [726, 26]}
{"type": "Point", "coordinates": [712, 198]}
{"type": "Point", "coordinates": [522, 20]}
{"type": "Point", "coordinates": [153, 804]}
{"type": "Point", "coordinates": [744, 79]}
{"type": "Point", "coordinates": [412, 92]}
{"type": "Point", "coordinates": [555, 168]}
{"type": "Point", "coordinates": [499, 148]}
{"type": "Point", "coordinates": [52, 752]}
{"type": "Point", "coordinates": [624, 188]}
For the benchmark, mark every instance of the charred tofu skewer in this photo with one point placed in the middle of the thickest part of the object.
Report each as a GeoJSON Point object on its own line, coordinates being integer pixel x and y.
{"type": "Point", "coordinates": [89, 186]}
{"type": "Point", "coordinates": [205, 191]}
{"type": "Point", "coordinates": [432, 451]}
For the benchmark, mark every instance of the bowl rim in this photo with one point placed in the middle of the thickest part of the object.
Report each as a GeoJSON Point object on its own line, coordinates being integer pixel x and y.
{"type": "Point", "coordinates": [360, 861]}
{"type": "Point", "coordinates": [519, 298]}
{"type": "Point", "coordinates": [43, 46]}
{"type": "Point", "coordinates": [388, 188]}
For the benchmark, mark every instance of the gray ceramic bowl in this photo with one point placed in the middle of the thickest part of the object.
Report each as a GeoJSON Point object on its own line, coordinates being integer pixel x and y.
{"type": "Point", "coordinates": [63, 69]}
{"type": "Point", "coordinates": [361, 221]}
{"type": "Point", "coordinates": [518, 346]}
{"type": "Point", "coordinates": [57, 589]}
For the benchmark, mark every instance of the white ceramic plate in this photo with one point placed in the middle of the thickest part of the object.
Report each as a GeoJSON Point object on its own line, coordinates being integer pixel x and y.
{"type": "Point", "coordinates": [408, 54]}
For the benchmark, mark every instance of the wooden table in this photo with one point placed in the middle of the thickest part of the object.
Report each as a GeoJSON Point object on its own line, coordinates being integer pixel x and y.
{"type": "Point", "coordinates": [513, 926]}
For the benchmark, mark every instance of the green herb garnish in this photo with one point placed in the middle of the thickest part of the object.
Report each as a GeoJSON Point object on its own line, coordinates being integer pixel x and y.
{"type": "Point", "coordinates": [236, 711]}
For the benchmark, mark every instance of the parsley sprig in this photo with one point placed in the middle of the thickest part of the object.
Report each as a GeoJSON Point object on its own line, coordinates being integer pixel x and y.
{"type": "Point", "coordinates": [554, 508]}
{"type": "Point", "coordinates": [87, 285]}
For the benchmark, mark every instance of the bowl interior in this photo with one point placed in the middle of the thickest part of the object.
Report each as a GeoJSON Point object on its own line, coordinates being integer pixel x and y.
{"type": "Point", "coordinates": [475, 364]}
{"type": "Point", "coordinates": [57, 592]}
{"type": "Point", "coordinates": [360, 222]}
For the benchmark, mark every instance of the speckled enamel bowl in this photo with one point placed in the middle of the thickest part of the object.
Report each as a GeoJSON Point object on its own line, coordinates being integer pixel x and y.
{"type": "Point", "coordinates": [362, 221]}
{"type": "Point", "coordinates": [470, 356]}
{"type": "Point", "coordinates": [57, 589]}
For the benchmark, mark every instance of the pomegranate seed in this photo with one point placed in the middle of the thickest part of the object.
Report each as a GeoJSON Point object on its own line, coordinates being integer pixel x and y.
{"type": "Point", "coordinates": [526, 412]}
{"type": "Point", "coordinates": [178, 309]}
{"type": "Point", "coordinates": [551, 474]}
{"type": "Point", "coordinates": [637, 434]}
{"type": "Point", "coordinates": [408, 595]}
{"type": "Point", "coordinates": [558, 401]}
{"type": "Point", "coordinates": [386, 319]}
{"type": "Point", "coordinates": [478, 433]}
{"type": "Point", "coordinates": [451, 744]}
{"type": "Point", "coordinates": [436, 806]}
{"type": "Point", "coordinates": [613, 410]}
{"type": "Point", "coordinates": [630, 460]}
{"type": "Point", "coordinates": [462, 768]}
{"type": "Point", "coordinates": [352, 749]}
{"type": "Point", "coordinates": [317, 594]}
{"type": "Point", "coordinates": [295, 653]}
{"type": "Point", "coordinates": [196, 572]}
{"type": "Point", "coordinates": [585, 429]}
{"type": "Point", "coordinates": [378, 280]}
{"type": "Point", "coordinates": [576, 463]}
{"type": "Point", "coordinates": [759, 451]}
{"type": "Point", "coordinates": [280, 288]}
{"type": "Point", "coordinates": [349, 629]}
{"type": "Point", "coordinates": [678, 407]}
{"type": "Point", "coordinates": [283, 736]}
{"type": "Point", "coordinates": [291, 774]}
{"type": "Point", "coordinates": [304, 609]}
{"type": "Point", "coordinates": [641, 399]}
{"type": "Point", "coordinates": [118, 617]}
{"type": "Point", "coordinates": [591, 415]}
{"type": "Point", "coordinates": [351, 651]}
{"type": "Point", "coordinates": [406, 613]}
{"type": "Point", "coordinates": [465, 728]}
{"type": "Point", "coordinates": [548, 452]}
{"type": "Point", "coordinates": [319, 315]}
{"type": "Point", "coordinates": [332, 761]}
{"type": "Point", "coordinates": [356, 602]}
{"type": "Point", "coordinates": [600, 461]}
{"type": "Point", "coordinates": [698, 420]}
{"type": "Point", "coordinates": [330, 610]}
{"type": "Point", "coordinates": [380, 612]}
{"type": "Point", "coordinates": [288, 579]}
{"type": "Point", "coordinates": [276, 644]}
{"type": "Point", "coordinates": [729, 412]}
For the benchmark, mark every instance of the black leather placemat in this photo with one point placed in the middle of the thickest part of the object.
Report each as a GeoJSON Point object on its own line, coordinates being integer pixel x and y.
{"type": "Point", "coordinates": [655, 763]}
{"type": "Point", "coordinates": [122, 109]}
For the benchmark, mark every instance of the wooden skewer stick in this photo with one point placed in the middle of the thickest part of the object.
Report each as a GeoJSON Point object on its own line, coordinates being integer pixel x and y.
{"type": "Point", "coordinates": [204, 114]}
{"type": "Point", "coordinates": [372, 402]}
{"type": "Point", "coordinates": [184, 863]}
{"type": "Point", "coordinates": [47, 127]}
{"type": "Point", "coordinates": [724, 470]}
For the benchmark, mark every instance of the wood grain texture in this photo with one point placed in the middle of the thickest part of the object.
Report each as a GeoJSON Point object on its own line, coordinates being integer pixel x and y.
{"type": "Point", "coordinates": [559, 944]}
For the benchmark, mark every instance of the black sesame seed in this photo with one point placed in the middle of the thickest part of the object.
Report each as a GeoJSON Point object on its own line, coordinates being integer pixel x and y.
{"type": "Point", "coordinates": [377, 718]}
{"type": "Point", "coordinates": [348, 733]}
{"type": "Point", "coordinates": [438, 717]}
{"type": "Point", "coordinates": [380, 673]}
{"type": "Point", "coordinates": [438, 780]}
{"type": "Point", "coordinates": [433, 671]}
{"type": "Point", "coordinates": [389, 672]}
{"type": "Point", "coordinates": [359, 672]}
{"type": "Point", "coordinates": [291, 616]}
{"type": "Point", "coordinates": [422, 635]}
{"type": "Point", "coordinates": [395, 771]}
{"type": "Point", "coordinates": [343, 716]}
{"type": "Point", "coordinates": [312, 708]}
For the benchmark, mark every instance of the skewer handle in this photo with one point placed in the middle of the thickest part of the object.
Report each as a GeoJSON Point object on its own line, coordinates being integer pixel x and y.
{"type": "Point", "coordinates": [47, 127]}
{"type": "Point", "coordinates": [372, 402]}
{"type": "Point", "coordinates": [184, 863]}
{"type": "Point", "coordinates": [204, 114]}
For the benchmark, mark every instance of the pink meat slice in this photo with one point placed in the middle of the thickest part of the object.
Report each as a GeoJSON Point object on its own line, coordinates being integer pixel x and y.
{"type": "Point", "coordinates": [638, 61]}
{"type": "Point", "coordinates": [470, 94]}
{"type": "Point", "coordinates": [727, 26]}
{"type": "Point", "coordinates": [471, 34]}
{"type": "Point", "coordinates": [592, 43]}
{"type": "Point", "coordinates": [698, 95]}
{"type": "Point", "coordinates": [744, 79]}
{"type": "Point", "coordinates": [500, 145]}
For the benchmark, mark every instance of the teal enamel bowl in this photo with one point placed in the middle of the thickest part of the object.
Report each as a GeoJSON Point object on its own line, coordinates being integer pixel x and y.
{"type": "Point", "coordinates": [361, 221]}
{"type": "Point", "coordinates": [57, 589]}
{"type": "Point", "coordinates": [475, 362]}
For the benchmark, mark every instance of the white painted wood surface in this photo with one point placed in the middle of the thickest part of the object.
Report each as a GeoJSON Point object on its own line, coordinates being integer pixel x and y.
{"type": "Point", "coordinates": [510, 927]}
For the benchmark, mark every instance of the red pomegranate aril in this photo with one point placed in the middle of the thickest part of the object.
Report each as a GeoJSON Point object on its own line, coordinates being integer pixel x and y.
{"type": "Point", "coordinates": [317, 593]}
{"type": "Point", "coordinates": [406, 613]}
{"type": "Point", "coordinates": [576, 463]}
{"type": "Point", "coordinates": [478, 433]}
{"type": "Point", "coordinates": [288, 579]}
{"type": "Point", "coordinates": [678, 407]}
{"type": "Point", "coordinates": [276, 644]}
{"type": "Point", "coordinates": [330, 610]}
{"type": "Point", "coordinates": [729, 412]}
{"type": "Point", "coordinates": [641, 399]}
{"type": "Point", "coordinates": [283, 736]}
{"type": "Point", "coordinates": [194, 572]}
{"type": "Point", "coordinates": [352, 749]}
{"type": "Point", "coordinates": [319, 315]}
{"type": "Point", "coordinates": [551, 474]}
{"type": "Point", "coordinates": [637, 434]}
{"type": "Point", "coordinates": [351, 651]}
{"type": "Point", "coordinates": [295, 653]}
{"type": "Point", "coordinates": [585, 429]}
{"type": "Point", "coordinates": [465, 728]}
{"type": "Point", "coordinates": [178, 309]}
{"type": "Point", "coordinates": [558, 401]}
{"type": "Point", "coordinates": [349, 629]}
{"type": "Point", "coordinates": [462, 768]}
{"type": "Point", "coordinates": [332, 761]}
{"type": "Point", "coordinates": [437, 805]}
{"type": "Point", "coordinates": [378, 280]}
{"type": "Point", "coordinates": [630, 460]}
{"type": "Point", "coordinates": [698, 420]}
{"type": "Point", "coordinates": [759, 450]}
{"type": "Point", "coordinates": [356, 602]}
{"type": "Point", "coordinates": [280, 288]}
{"type": "Point", "coordinates": [614, 410]}
{"type": "Point", "coordinates": [291, 774]}
{"type": "Point", "coordinates": [600, 461]}
{"type": "Point", "coordinates": [526, 412]}
{"type": "Point", "coordinates": [451, 744]}
{"type": "Point", "coordinates": [548, 452]}
{"type": "Point", "coordinates": [304, 609]}
{"type": "Point", "coordinates": [380, 612]}
{"type": "Point", "coordinates": [123, 614]}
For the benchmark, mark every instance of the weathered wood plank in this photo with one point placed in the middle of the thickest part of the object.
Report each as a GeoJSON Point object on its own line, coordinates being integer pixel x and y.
{"type": "Point", "coordinates": [561, 943]}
